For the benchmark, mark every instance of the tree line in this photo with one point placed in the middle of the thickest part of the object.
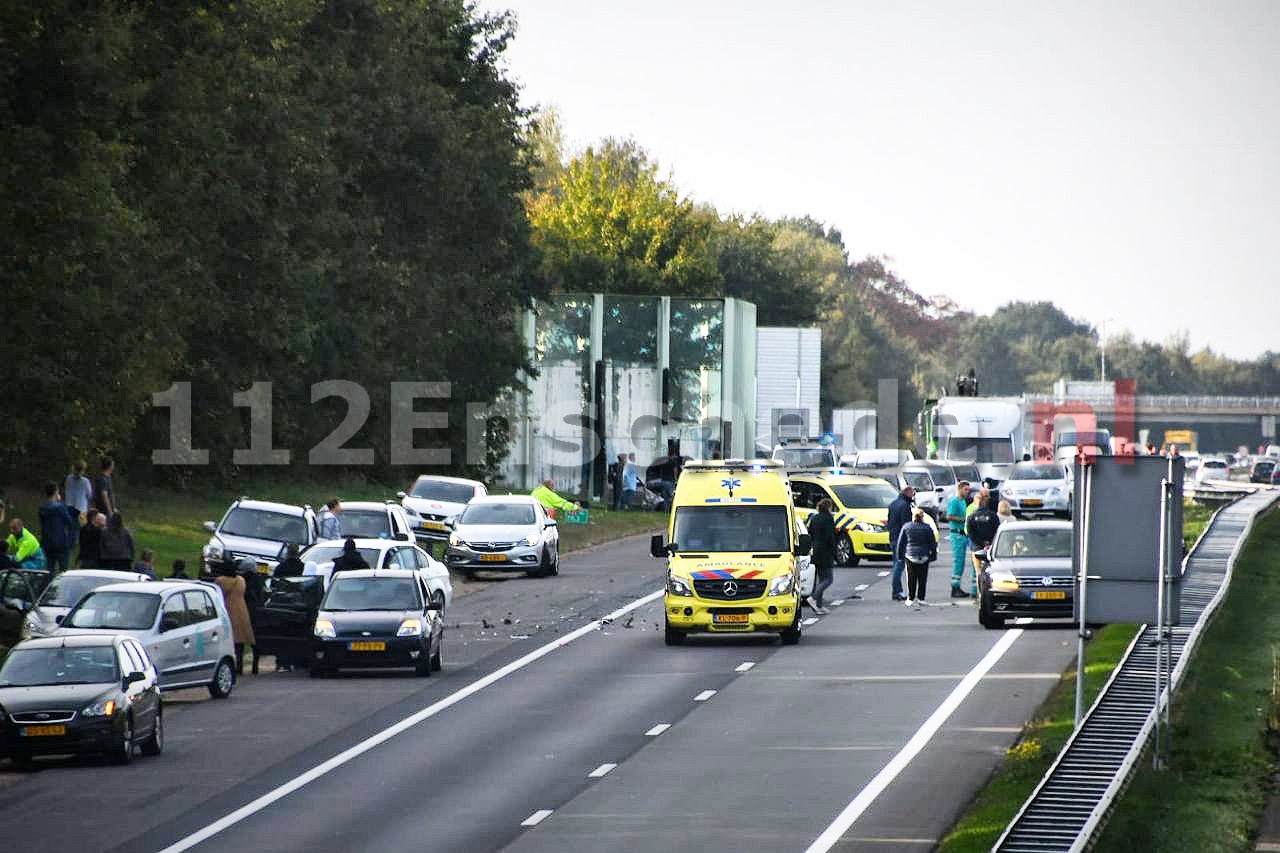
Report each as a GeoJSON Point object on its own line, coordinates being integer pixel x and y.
{"type": "Point", "coordinates": [295, 191]}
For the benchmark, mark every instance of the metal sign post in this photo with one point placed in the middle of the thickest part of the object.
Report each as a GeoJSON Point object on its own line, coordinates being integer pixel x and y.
{"type": "Point", "coordinates": [1086, 493]}
{"type": "Point", "coordinates": [1161, 579]}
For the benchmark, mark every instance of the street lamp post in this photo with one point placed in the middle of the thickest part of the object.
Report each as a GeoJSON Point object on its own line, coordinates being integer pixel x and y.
{"type": "Point", "coordinates": [1102, 346]}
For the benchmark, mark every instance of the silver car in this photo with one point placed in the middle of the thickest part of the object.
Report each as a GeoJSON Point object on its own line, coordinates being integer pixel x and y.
{"type": "Point", "coordinates": [183, 625]}
{"type": "Point", "coordinates": [510, 533]}
{"type": "Point", "coordinates": [63, 592]}
{"type": "Point", "coordinates": [433, 500]}
{"type": "Point", "coordinates": [1033, 488]}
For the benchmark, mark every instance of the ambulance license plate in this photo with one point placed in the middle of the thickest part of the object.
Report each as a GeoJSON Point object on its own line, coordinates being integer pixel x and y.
{"type": "Point", "coordinates": [722, 618]}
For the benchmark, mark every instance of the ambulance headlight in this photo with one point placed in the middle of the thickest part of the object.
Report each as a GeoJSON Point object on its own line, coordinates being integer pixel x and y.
{"type": "Point", "coordinates": [782, 585]}
{"type": "Point", "coordinates": [678, 586]}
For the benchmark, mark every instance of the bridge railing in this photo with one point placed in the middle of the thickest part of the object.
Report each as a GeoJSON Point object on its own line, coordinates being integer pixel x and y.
{"type": "Point", "coordinates": [1172, 402]}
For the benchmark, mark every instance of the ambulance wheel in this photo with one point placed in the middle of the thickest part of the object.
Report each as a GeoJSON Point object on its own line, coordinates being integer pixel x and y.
{"type": "Point", "coordinates": [791, 636]}
{"type": "Point", "coordinates": [673, 636]}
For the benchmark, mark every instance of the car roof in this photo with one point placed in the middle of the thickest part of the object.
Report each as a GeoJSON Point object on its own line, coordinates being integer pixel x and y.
{"type": "Point", "coordinates": [272, 506]}
{"type": "Point", "coordinates": [839, 478]}
{"type": "Point", "coordinates": [378, 573]}
{"type": "Point", "coordinates": [442, 479]}
{"type": "Point", "coordinates": [368, 504]}
{"type": "Point", "coordinates": [360, 543]}
{"type": "Point", "coordinates": [103, 573]}
{"type": "Point", "coordinates": [71, 641]}
{"type": "Point", "coordinates": [1045, 524]}
{"type": "Point", "coordinates": [156, 587]}
{"type": "Point", "coordinates": [503, 499]}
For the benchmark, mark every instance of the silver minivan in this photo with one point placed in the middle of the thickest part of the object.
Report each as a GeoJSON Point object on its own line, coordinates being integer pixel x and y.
{"type": "Point", "coordinates": [183, 625]}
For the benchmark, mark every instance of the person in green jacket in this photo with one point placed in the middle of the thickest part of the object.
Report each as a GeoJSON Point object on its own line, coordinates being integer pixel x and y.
{"type": "Point", "coordinates": [546, 495]}
{"type": "Point", "coordinates": [23, 547]}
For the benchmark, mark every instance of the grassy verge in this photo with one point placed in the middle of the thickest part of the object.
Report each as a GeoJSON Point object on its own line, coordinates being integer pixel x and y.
{"type": "Point", "coordinates": [1030, 758]}
{"type": "Point", "coordinates": [607, 525]}
{"type": "Point", "coordinates": [1225, 717]}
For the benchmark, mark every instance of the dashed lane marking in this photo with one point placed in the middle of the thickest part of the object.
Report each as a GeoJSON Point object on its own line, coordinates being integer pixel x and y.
{"type": "Point", "coordinates": [744, 666]}
{"type": "Point", "coordinates": [602, 770]}
{"type": "Point", "coordinates": [658, 729]}
{"type": "Point", "coordinates": [704, 696]}
{"type": "Point", "coordinates": [536, 818]}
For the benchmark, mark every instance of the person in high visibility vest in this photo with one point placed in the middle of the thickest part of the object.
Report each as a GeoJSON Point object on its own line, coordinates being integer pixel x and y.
{"type": "Point", "coordinates": [23, 548]}
{"type": "Point", "coordinates": [546, 495]}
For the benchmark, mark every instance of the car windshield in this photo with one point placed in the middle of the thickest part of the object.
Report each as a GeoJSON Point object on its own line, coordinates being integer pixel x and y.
{"type": "Point", "coordinates": [496, 513]}
{"type": "Point", "coordinates": [1099, 438]}
{"type": "Point", "coordinates": [1036, 472]}
{"type": "Point", "coordinates": [1214, 463]}
{"type": "Point", "coordinates": [866, 496]}
{"type": "Point", "coordinates": [126, 611]}
{"type": "Point", "coordinates": [966, 471]}
{"type": "Point", "coordinates": [264, 524]}
{"type": "Point", "coordinates": [372, 594]}
{"type": "Point", "coordinates": [60, 665]}
{"type": "Point", "coordinates": [806, 457]}
{"type": "Point", "coordinates": [329, 553]}
{"type": "Point", "coordinates": [443, 491]}
{"type": "Point", "coordinates": [980, 450]}
{"type": "Point", "coordinates": [366, 523]}
{"type": "Point", "coordinates": [66, 590]}
{"type": "Point", "coordinates": [942, 475]}
{"type": "Point", "coordinates": [1034, 543]}
{"type": "Point", "coordinates": [731, 528]}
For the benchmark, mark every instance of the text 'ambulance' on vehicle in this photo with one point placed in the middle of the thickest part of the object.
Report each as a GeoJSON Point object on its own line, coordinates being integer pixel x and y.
{"type": "Point", "coordinates": [731, 548]}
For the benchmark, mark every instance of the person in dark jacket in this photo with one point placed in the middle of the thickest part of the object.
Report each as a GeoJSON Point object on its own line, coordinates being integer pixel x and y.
{"type": "Point", "coordinates": [350, 559]}
{"type": "Point", "coordinates": [918, 547]}
{"type": "Point", "coordinates": [899, 517]}
{"type": "Point", "coordinates": [179, 570]}
{"type": "Point", "coordinates": [981, 529]}
{"type": "Point", "coordinates": [291, 566]}
{"type": "Point", "coordinates": [59, 529]}
{"type": "Point", "coordinates": [822, 533]}
{"type": "Point", "coordinates": [115, 549]}
{"type": "Point", "coordinates": [90, 539]}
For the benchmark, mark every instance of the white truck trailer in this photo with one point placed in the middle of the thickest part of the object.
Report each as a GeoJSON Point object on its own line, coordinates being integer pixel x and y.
{"type": "Point", "coordinates": [987, 431]}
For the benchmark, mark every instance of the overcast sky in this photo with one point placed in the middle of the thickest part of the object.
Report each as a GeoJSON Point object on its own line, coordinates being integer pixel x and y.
{"type": "Point", "coordinates": [1119, 159]}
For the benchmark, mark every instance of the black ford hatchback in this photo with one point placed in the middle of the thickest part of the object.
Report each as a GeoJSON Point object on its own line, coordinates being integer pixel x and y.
{"type": "Point", "coordinates": [377, 618]}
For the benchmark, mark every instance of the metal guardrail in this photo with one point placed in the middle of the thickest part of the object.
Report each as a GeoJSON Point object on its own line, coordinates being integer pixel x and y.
{"type": "Point", "coordinates": [1170, 402]}
{"type": "Point", "coordinates": [1070, 805]}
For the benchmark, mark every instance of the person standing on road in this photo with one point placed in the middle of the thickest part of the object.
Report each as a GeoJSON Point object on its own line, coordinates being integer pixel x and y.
{"type": "Point", "coordinates": [91, 539]}
{"type": "Point", "coordinates": [59, 529]}
{"type": "Point", "coordinates": [899, 517]}
{"type": "Point", "coordinates": [115, 549]}
{"type": "Point", "coordinates": [330, 524]}
{"type": "Point", "coordinates": [291, 566]}
{"type": "Point", "coordinates": [956, 508]}
{"type": "Point", "coordinates": [1004, 512]}
{"type": "Point", "coordinates": [822, 534]}
{"type": "Point", "coordinates": [179, 570]}
{"type": "Point", "coordinates": [233, 586]}
{"type": "Point", "coordinates": [350, 559]}
{"type": "Point", "coordinates": [77, 491]}
{"type": "Point", "coordinates": [981, 527]}
{"type": "Point", "coordinates": [104, 494]}
{"type": "Point", "coordinates": [917, 546]}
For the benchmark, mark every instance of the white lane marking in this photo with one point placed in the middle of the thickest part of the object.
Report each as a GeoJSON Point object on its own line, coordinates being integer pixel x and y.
{"type": "Point", "coordinates": [744, 666]}
{"type": "Point", "coordinates": [837, 602]}
{"type": "Point", "coordinates": [940, 676]}
{"type": "Point", "coordinates": [704, 696]}
{"type": "Point", "coordinates": [536, 818]}
{"type": "Point", "coordinates": [882, 574]}
{"type": "Point", "coordinates": [326, 767]}
{"type": "Point", "coordinates": [860, 587]}
{"type": "Point", "coordinates": [658, 729]}
{"type": "Point", "coordinates": [812, 620]}
{"type": "Point", "coordinates": [602, 770]}
{"type": "Point", "coordinates": [860, 803]}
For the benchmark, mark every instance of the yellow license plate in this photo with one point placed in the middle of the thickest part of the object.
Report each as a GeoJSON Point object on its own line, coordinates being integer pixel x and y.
{"type": "Point", "coordinates": [730, 617]}
{"type": "Point", "coordinates": [1033, 502]}
{"type": "Point", "coordinates": [43, 731]}
{"type": "Point", "coordinates": [264, 569]}
{"type": "Point", "coordinates": [368, 646]}
{"type": "Point", "coordinates": [1051, 595]}
{"type": "Point", "coordinates": [493, 558]}
{"type": "Point", "coordinates": [433, 525]}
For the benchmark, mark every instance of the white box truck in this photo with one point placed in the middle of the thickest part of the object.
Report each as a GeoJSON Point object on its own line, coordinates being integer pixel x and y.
{"type": "Point", "coordinates": [987, 431]}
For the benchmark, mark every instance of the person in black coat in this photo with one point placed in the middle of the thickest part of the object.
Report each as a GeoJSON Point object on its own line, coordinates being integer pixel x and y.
{"type": "Point", "coordinates": [291, 566]}
{"type": "Point", "coordinates": [899, 517]}
{"type": "Point", "coordinates": [822, 533]}
{"type": "Point", "coordinates": [918, 546]}
{"type": "Point", "coordinates": [90, 539]}
{"type": "Point", "coordinates": [350, 559]}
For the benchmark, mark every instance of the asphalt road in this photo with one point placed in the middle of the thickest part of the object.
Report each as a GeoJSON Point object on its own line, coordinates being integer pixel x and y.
{"type": "Point", "coordinates": [546, 732]}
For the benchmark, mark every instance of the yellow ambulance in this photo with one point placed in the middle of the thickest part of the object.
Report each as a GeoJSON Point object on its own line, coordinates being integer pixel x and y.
{"type": "Point", "coordinates": [732, 548]}
{"type": "Point", "coordinates": [860, 505]}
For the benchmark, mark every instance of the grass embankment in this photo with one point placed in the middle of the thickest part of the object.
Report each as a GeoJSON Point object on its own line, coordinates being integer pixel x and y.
{"type": "Point", "coordinates": [1226, 724]}
{"type": "Point", "coordinates": [1043, 738]}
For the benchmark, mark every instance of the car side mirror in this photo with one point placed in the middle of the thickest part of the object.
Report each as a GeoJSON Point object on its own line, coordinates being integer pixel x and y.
{"type": "Point", "coordinates": [551, 522]}
{"type": "Point", "coordinates": [401, 495]}
{"type": "Point", "coordinates": [58, 619]}
{"type": "Point", "coordinates": [435, 604]}
{"type": "Point", "coordinates": [656, 547]}
{"type": "Point", "coordinates": [134, 678]}
{"type": "Point", "coordinates": [450, 523]}
{"type": "Point", "coordinates": [211, 527]}
{"type": "Point", "coordinates": [168, 623]}
{"type": "Point", "coordinates": [804, 544]}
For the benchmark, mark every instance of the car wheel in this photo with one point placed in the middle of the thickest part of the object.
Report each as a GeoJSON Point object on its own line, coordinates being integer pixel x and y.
{"type": "Point", "coordinates": [437, 660]}
{"type": "Point", "coordinates": [122, 751]}
{"type": "Point", "coordinates": [844, 551]}
{"type": "Point", "coordinates": [438, 597]}
{"type": "Point", "coordinates": [469, 574]}
{"type": "Point", "coordinates": [224, 680]}
{"type": "Point", "coordinates": [673, 636]}
{"type": "Point", "coordinates": [317, 671]}
{"type": "Point", "coordinates": [985, 617]}
{"type": "Point", "coordinates": [423, 667]}
{"type": "Point", "coordinates": [555, 564]}
{"type": "Point", "coordinates": [153, 744]}
{"type": "Point", "coordinates": [791, 636]}
{"type": "Point", "coordinates": [23, 760]}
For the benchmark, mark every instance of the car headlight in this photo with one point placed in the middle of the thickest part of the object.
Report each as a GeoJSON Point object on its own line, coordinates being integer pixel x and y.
{"type": "Point", "coordinates": [782, 585]}
{"type": "Point", "coordinates": [455, 540]}
{"type": "Point", "coordinates": [32, 626]}
{"type": "Point", "coordinates": [100, 709]}
{"type": "Point", "coordinates": [531, 539]}
{"type": "Point", "coordinates": [410, 628]}
{"type": "Point", "coordinates": [213, 553]}
{"type": "Point", "coordinates": [869, 527]}
{"type": "Point", "coordinates": [678, 586]}
{"type": "Point", "coordinates": [1055, 491]}
{"type": "Point", "coordinates": [324, 629]}
{"type": "Point", "coordinates": [1004, 581]}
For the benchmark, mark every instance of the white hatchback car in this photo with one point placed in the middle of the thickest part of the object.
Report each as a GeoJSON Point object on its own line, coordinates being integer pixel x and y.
{"type": "Point", "coordinates": [433, 500]}
{"type": "Point", "coordinates": [375, 520]}
{"type": "Point", "coordinates": [505, 533]}
{"type": "Point", "coordinates": [1038, 487]}
{"type": "Point", "coordinates": [382, 554]}
{"type": "Point", "coordinates": [64, 592]}
{"type": "Point", "coordinates": [1213, 468]}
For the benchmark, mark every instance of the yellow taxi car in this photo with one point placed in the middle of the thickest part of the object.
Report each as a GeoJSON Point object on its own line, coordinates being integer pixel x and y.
{"type": "Point", "coordinates": [860, 505]}
{"type": "Point", "coordinates": [732, 548]}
